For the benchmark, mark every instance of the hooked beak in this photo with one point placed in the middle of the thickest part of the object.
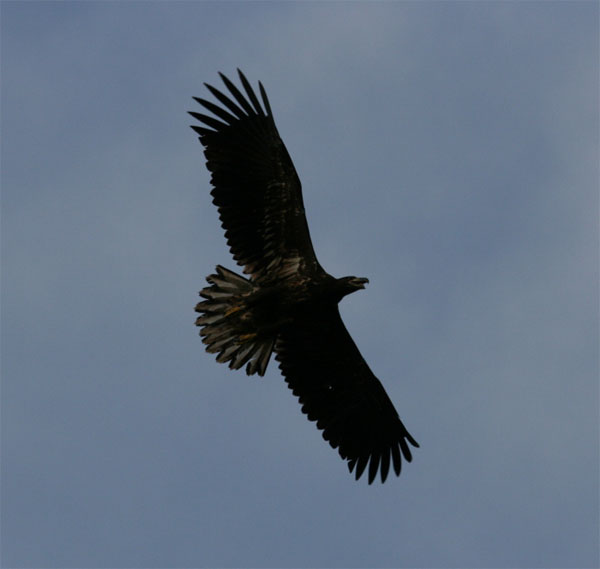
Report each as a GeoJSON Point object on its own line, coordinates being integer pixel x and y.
{"type": "Point", "coordinates": [359, 282]}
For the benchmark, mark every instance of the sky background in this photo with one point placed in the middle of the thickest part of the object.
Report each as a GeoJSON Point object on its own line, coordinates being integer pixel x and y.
{"type": "Point", "coordinates": [448, 152]}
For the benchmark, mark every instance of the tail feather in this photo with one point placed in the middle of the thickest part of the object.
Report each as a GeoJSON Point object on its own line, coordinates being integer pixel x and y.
{"type": "Point", "coordinates": [225, 320]}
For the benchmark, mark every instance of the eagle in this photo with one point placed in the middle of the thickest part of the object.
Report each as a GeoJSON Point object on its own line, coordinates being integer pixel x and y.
{"type": "Point", "coordinates": [288, 304]}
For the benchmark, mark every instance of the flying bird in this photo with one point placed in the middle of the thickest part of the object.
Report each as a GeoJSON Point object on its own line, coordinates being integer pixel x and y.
{"type": "Point", "coordinates": [288, 304]}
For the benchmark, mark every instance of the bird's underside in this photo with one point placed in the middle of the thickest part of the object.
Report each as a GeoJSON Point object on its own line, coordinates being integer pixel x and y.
{"type": "Point", "coordinates": [288, 305]}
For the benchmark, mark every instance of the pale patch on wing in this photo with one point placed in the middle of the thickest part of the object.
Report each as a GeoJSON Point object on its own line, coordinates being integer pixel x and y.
{"type": "Point", "coordinates": [282, 268]}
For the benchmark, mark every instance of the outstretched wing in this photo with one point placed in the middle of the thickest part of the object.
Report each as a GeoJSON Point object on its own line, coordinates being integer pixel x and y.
{"type": "Point", "coordinates": [336, 388]}
{"type": "Point", "coordinates": [255, 185]}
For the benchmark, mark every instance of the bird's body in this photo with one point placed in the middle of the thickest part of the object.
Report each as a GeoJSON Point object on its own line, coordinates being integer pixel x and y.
{"type": "Point", "coordinates": [289, 303]}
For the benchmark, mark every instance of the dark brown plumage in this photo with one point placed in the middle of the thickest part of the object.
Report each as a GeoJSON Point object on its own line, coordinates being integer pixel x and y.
{"type": "Point", "coordinates": [288, 305]}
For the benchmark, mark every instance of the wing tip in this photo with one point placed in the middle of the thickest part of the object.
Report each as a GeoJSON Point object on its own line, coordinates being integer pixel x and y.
{"type": "Point", "coordinates": [380, 461]}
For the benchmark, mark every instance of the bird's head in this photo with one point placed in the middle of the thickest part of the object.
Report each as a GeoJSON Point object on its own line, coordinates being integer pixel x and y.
{"type": "Point", "coordinates": [357, 282]}
{"type": "Point", "coordinates": [349, 285]}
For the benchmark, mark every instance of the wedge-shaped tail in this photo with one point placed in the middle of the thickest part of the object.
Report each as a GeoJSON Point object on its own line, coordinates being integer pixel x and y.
{"type": "Point", "coordinates": [226, 323]}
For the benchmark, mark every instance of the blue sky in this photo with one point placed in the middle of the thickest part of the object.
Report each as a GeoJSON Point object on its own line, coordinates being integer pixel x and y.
{"type": "Point", "coordinates": [448, 151]}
